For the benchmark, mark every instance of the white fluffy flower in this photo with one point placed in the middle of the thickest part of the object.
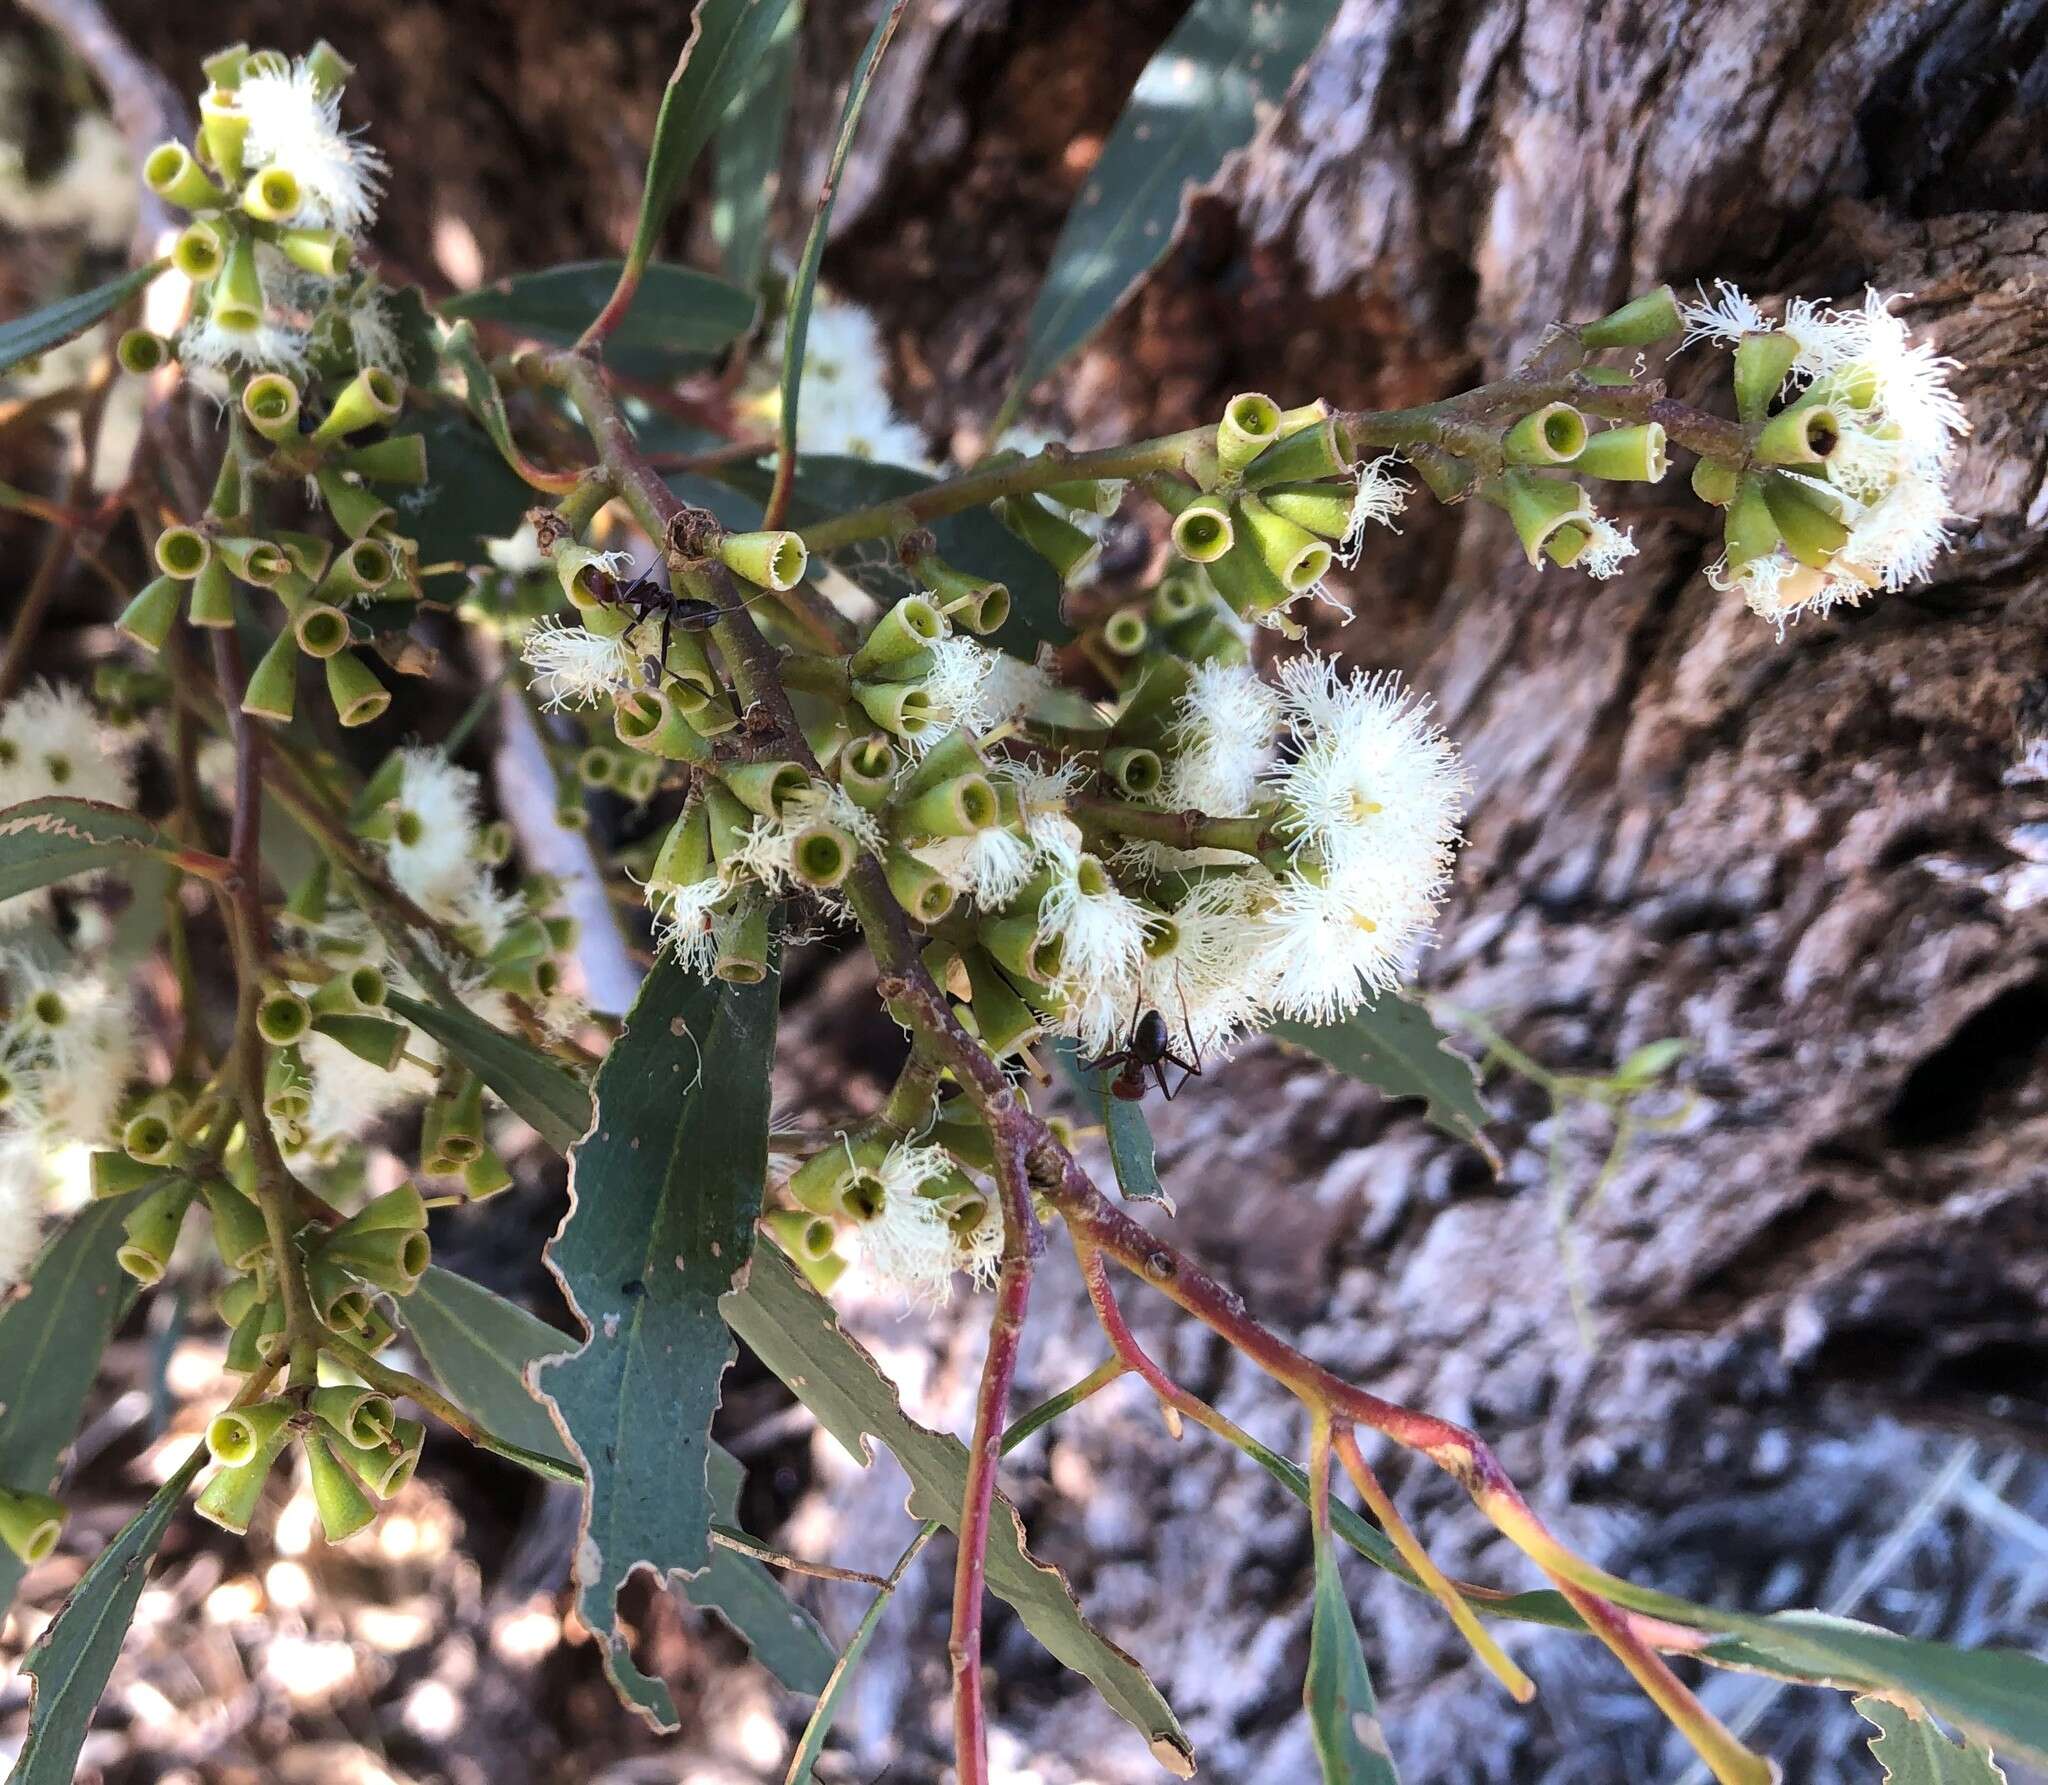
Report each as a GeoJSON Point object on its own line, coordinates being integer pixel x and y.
{"type": "Point", "coordinates": [1100, 930]}
{"type": "Point", "coordinates": [979, 1250]}
{"type": "Point", "coordinates": [1869, 356]}
{"type": "Point", "coordinates": [296, 126]}
{"type": "Point", "coordinates": [845, 406]}
{"type": "Point", "coordinates": [575, 667]}
{"type": "Point", "coordinates": [52, 743]}
{"type": "Point", "coordinates": [1013, 686]}
{"type": "Point", "coordinates": [24, 1195]}
{"type": "Point", "coordinates": [1330, 944]}
{"type": "Point", "coordinates": [67, 1049]}
{"type": "Point", "coordinates": [1725, 317]}
{"type": "Point", "coordinates": [374, 329]}
{"type": "Point", "coordinates": [432, 854]}
{"type": "Point", "coordinates": [685, 922]}
{"type": "Point", "coordinates": [1042, 796]}
{"type": "Point", "coordinates": [1210, 981]}
{"type": "Point", "coordinates": [905, 1236]}
{"type": "Point", "coordinates": [518, 554]}
{"type": "Point", "coordinates": [1606, 548]}
{"type": "Point", "coordinates": [349, 1094]}
{"type": "Point", "coordinates": [957, 687]}
{"type": "Point", "coordinates": [766, 853]}
{"type": "Point", "coordinates": [991, 866]}
{"type": "Point", "coordinates": [1376, 498]}
{"type": "Point", "coordinates": [1222, 739]}
{"type": "Point", "coordinates": [277, 345]}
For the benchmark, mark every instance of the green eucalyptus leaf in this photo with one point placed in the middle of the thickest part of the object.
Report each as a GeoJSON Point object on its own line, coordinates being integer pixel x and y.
{"type": "Point", "coordinates": [54, 324]}
{"type": "Point", "coordinates": [74, 1657]}
{"type": "Point", "coordinates": [486, 402]}
{"type": "Point", "coordinates": [1202, 96]}
{"type": "Point", "coordinates": [1913, 1750]}
{"type": "Point", "coordinates": [729, 40]}
{"type": "Point", "coordinates": [749, 153]}
{"type": "Point", "coordinates": [50, 1345]}
{"type": "Point", "coordinates": [679, 316]}
{"type": "Point", "coordinates": [1131, 1154]}
{"type": "Point", "coordinates": [793, 1330]}
{"type": "Point", "coordinates": [1394, 1045]}
{"type": "Point", "coordinates": [48, 840]}
{"type": "Point", "coordinates": [471, 493]}
{"type": "Point", "coordinates": [1343, 1715]}
{"type": "Point", "coordinates": [663, 1195]}
{"type": "Point", "coordinates": [784, 1637]}
{"type": "Point", "coordinates": [549, 1099]}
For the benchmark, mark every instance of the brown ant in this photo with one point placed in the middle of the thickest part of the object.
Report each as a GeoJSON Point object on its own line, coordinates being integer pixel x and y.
{"type": "Point", "coordinates": [647, 595]}
{"type": "Point", "coordinates": [1149, 1046]}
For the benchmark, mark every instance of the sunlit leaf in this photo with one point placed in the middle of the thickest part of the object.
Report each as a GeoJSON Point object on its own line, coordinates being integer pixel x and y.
{"type": "Point", "coordinates": [547, 1097]}
{"type": "Point", "coordinates": [1225, 67]}
{"type": "Point", "coordinates": [54, 324]}
{"type": "Point", "coordinates": [1913, 1751]}
{"type": "Point", "coordinates": [1343, 1715]}
{"type": "Point", "coordinates": [50, 1345]}
{"type": "Point", "coordinates": [48, 840]}
{"type": "Point", "coordinates": [1124, 1127]}
{"type": "Point", "coordinates": [1394, 1045]}
{"type": "Point", "coordinates": [793, 1330]}
{"type": "Point", "coordinates": [663, 1193]}
{"type": "Point", "coordinates": [749, 151]}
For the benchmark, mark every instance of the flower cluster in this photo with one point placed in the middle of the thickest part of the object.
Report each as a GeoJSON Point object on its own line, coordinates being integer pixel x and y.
{"type": "Point", "coordinates": [1856, 434]}
{"type": "Point", "coordinates": [52, 743]}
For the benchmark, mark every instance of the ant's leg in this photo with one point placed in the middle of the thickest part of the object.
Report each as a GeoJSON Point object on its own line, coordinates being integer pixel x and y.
{"type": "Point", "coordinates": [1159, 1073]}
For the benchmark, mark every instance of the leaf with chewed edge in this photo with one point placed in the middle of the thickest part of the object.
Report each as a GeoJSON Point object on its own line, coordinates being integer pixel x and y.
{"type": "Point", "coordinates": [793, 1330]}
{"type": "Point", "coordinates": [48, 840]}
{"type": "Point", "coordinates": [663, 1194]}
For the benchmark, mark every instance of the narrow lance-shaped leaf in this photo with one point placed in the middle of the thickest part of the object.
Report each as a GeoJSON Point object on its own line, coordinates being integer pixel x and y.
{"type": "Point", "coordinates": [794, 1331]}
{"type": "Point", "coordinates": [50, 1345]}
{"type": "Point", "coordinates": [679, 316]}
{"type": "Point", "coordinates": [1913, 1750]}
{"type": "Point", "coordinates": [73, 1658]}
{"type": "Point", "coordinates": [1225, 67]}
{"type": "Point", "coordinates": [1394, 1045]}
{"type": "Point", "coordinates": [54, 324]}
{"type": "Point", "coordinates": [1343, 1715]}
{"type": "Point", "coordinates": [1129, 1135]}
{"type": "Point", "coordinates": [479, 1345]}
{"type": "Point", "coordinates": [749, 152]}
{"type": "Point", "coordinates": [547, 1098]}
{"type": "Point", "coordinates": [804, 286]}
{"type": "Point", "coordinates": [663, 1194]}
{"type": "Point", "coordinates": [728, 39]}
{"type": "Point", "coordinates": [48, 840]}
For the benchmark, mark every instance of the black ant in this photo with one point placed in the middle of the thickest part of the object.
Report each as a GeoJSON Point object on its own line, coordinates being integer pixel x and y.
{"type": "Point", "coordinates": [1148, 1046]}
{"type": "Point", "coordinates": [647, 596]}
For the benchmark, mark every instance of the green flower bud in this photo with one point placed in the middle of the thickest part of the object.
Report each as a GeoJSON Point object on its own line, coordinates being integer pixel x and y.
{"type": "Point", "coordinates": [151, 1134]}
{"type": "Point", "coordinates": [182, 552]}
{"type": "Point", "coordinates": [1539, 506]}
{"type": "Point", "coordinates": [1762, 364]}
{"type": "Point", "coordinates": [1250, 424]}
{"type": "Point", "coordinates": [325, 253]}
{"type": "Point", "coordinates": [231, 1498]}
{"type": "Point", "coordinates": [1297, 559]}
{"type": "Point", "coordinates": [1125, 631]}
{"type": "Point", "coordinates": [898, 707]}
{"type": "Point", "coordinates": [151, 1230]}
{"type": "Point", "coordinates": [527, 979]}
{"type": "Point", "coordinates": [1135, 771]}
{"type": "Point", "coordinates": [765, 787]}
{"type": "Point", "coordinates": [1320, 508]}
{"type": "Point", "coordinates": [212, 601]}
{"type": "Point", "coordinates": [731, 823]}
{"type": "Point", "coordinates": [1813, 531]}
{"type": "Point", "coordinates": [1750, 531]}
{"type": "Point", "coordinates": [821, 855]}
{"type": "Point", "coordinates": [389, 1259]}
{"type": "Point", "coordinates": [1625, 455]}
{"type": "Point", "coordinates": [774, 560]}
{"type": "Point", "coordinates": [1804, 434]}
{"type": "Point", "coordinates": [1248, 587]}
{"type": "Point", "coordinates": [362, 987]}
{"type": "Point", "coordinates": [358, 696]}
{"type": "Point", "coordinates": [639, 780]}
{"type": "Point", "coordinates": [1181, 595]}
{"type": "Point", "coordinates": [140, 351]}
{"type": "Point", "coordinates": [959, 807]}
{"type": "Point", "coordinates": [223, 130]}
{"type": "Point", "coordinates": [201, 250]}
{"type": "Point", "coordinates": [287, 1091]}
{"type": "Point", "coordinates": [1714, 482]}
{"type": "Point", "coordinates": [329, 68]}
{"type": "Point", "coordinates": [224, 67]}
{"type": "Point", "coordinates": [384, 1468]}
{"type": "Point", "coordinates": [361, 1415]}
{"type": "Point", "coordinates": [1302, 456]}
{"type": "Point", "coordinates": [238, 1230]}
{"type": "Point", "coordinates": [170, 171]}
{"type": "Point", "coordinates": [1016, 942]}
{"type": "Point", "coordinates": [148, 618]}
{"type": "Point", "coordinates": [341, 1303]}
{"type": "Point", "coordinates": [970, 601]}
{"type": "Point", "coordinates": [115, 1174]}
{"type": "Point", "coordinates": [238, 1436]}
{"type": "Point", "coordinates": [743, 947]}
{"type": "Point", "coordinates": [1567, 545]}
{"type": "Point", "coordinates": [685, 855]}
{"type": "Point", "coordinates": [374, 1039]}
{"type": "Point", "coordinates": [900, 638]}
{"type": "Point", "coordinates": [338, 1497]}
{"type": "Point", "coordinates": [257, 1339]}
{"type": "Point", "coordinates": [921, 890]}
{"type": "Point", "coordinates": [364, 568]}
{"type": "Point", "coordinates": [237, 303]}
{"type": "Point", "coordinates": [594, 766]}
{"type": "Point", "coordinates": [370, 400]}
{"type": "Point", "coordinates": [320, 630]}
{"type": "Point", "coordinates": [357, 511]}
{"type": "Point", "coordinates": [494, 843]}
{"type": "Point", "coordinates": [282, 1017]}
{"type": "Point", "coordinates": [805, 1236]}
{"type": "Point", "coordinates": [1641, 322]}
{"type": "Point", "coordinates": [1052, 536]}
{"type": "Point", "coordinates": [273, 195]}
{"type": "Point", "coordinates": [1552, 435]}
{"type": "Point", "coordinates": [485, 1176]}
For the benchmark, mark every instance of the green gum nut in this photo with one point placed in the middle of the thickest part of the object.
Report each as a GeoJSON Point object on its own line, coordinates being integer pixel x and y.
{"type": "Point", "coordinates": [1181, 595]}
{"type": "Point", "coordinates": [919, 888]}
{"type": "Point", "coordinates": [223, 130]}
{"type": "Point", "coordinates": [1126, 632]}
{"type": "Point", "coordinates": [773, 560]}
{"type": "Point", "coordinates": [320, 630]}
{"type": "Point", "coordinates": [1250, 424]}
{"type": "Point", "coordinates": [954, 754]}
{"type": "Point", "coordinates": [401, 459]}
{"type": "Point", "coordinates": [961, 807]}
{"type": "Point", "coordinates": [900, 638]}
{"type": "Point", "coordinates": [1805, 434]}
{"type": "Point", "coordinates": [743, 947]}
{"type": "Point", "coordinates": [455, 1118]}
{"type": "Point", "coordinates": [256, 561]}
{"type": "Point", "coordinates": [526, 940]}
{"type": "Point", "coordinates": [182, 552]}
{"type": "Point", "coordinates": [151, 1134]}
{"type": "Point", "coordinates": [585, 581]}
{"type": "Point", "coordinates": [1540, 506]}
{"type": "Point", "coordinates": [1750, 532]}
{"type": "Point", "coordinates": [343, 1506]}
{"type": "Point", "coordinates": [595, 766]}
{"type": "Point", "coordinates": [357, 510]}
{"type": "Point", "coordinates": [896, 707]}
{"type": "Point", "coordinates": [494, 843]}
{"type": "Point", "coordinates": [224, 67]}
{"type": "Point", "coordinates": [238, 1230]}
{"type": "Point", "coordinates": [361, 1415]}
{"type": "Point", "coordinates": [1552, 435]}
{"type": "Point", "coordinates": [867, 771]}
{"type": "Point", "coordinates": [390, 1259]}
{"type": "Point", "coordinates": [527, 979]}
{"type": "Point", "coordinates": [819, 1184]}
{"type": "Point", "coordinates": [766, 787]}
{"type": "Point", "coordinates": [1003, 1020]}
{"type": "Point", "coordinates": [1135, 770]}
{"type": "Point", "coordinates": [150, 1231]}
{"type": "Point", "coordinates": [373, 1039]}
{"type": "Point", "coordinates": [1813, 530]}
{"type": "Point", "coordinates": [370, 399]}
{"type": "Point", "coordinates": [1626, 455]}
{"type": "Point", "coordinates": [689, 663]}
{"type": "Point", "coordinates": [325, 253]}
{"type": "Point", "coordinates": [361, 987]}
{"type": "Point", "coordinates": [287, 1092]}
{"type": "Point", "coordinates": [1150, 707]}
{"type": "Point", "coordinates": [971, 601]}
{"type": "Point", "coordinates": [1302, 456]}
{"type": "Point", "coordinates": [1323, 509]}
{"type": "Point", "coordinates": [639, 780]}
{"type": "Point", "coordinates": [364, 568]}
{"type": "Point", "coordinates": [1096, 496]}
{"type": "Point", "coordinates": [1247, 586]}
{"type": "Point", "coordinates": [115, 1174]}
{"type": "Point", "coordinates": [237, 304]}
{"type": "Point", "coordinates": [1203, 531]}
{"type": "Point", "coordinates": [1052, 536]}
{"type": "Point", "coordinates": [329, 68]}
{"type": "Point", "coordinates": [272, 195]}
{"type": "Point", "coordinates": [236, 1298]}
{"type": "Point", "coordinates": [1297, 559]}
{"type": "Point", "coordinates": [239, 1435]}
{"type": "Point", "coordinates": [685, 854]}
{"type": "Point", "coordinates": [657, 724]}
{"type": "Point", "coordinates": [201, 250]}
{"type": "Point", "coordinates": [141, 351]}
{"type": "Point", "coordinates": [1714, 482]}
{"type": "Point", "coordinates": [485, 1176]}
{"type": "Point", "coordinates": [1762, 364]}
{"type": "Point", "coordinates": [1567, 545]}
{"type": "Point", "coordinates": [231, 1498]}
{"type": "Point", "coordinates": [357, 695]}
{"type": "Point", "coordinates": [384, 1468]}
{"type": "Point", "coordinates": [806, 1236]}
{"type": "Point", "coordinates": [731, 824]}
{"type": "Point", "coordinates": [282, 1016]}
{"type": "Point", "coordinates": [175, 176]}
{"type": "Point", "coordinates": [1017, 943]}
{"type": "Point", "coordinates": [148, 618]}
{"type": "Point", "coordinates": [1641, 322]}
{"type": "Point", "coordinates": [270, 403]}
{"type": "Point", "coordinates": [341, 1303]}
{"type": "Point", "coordinates": [821, 855]}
